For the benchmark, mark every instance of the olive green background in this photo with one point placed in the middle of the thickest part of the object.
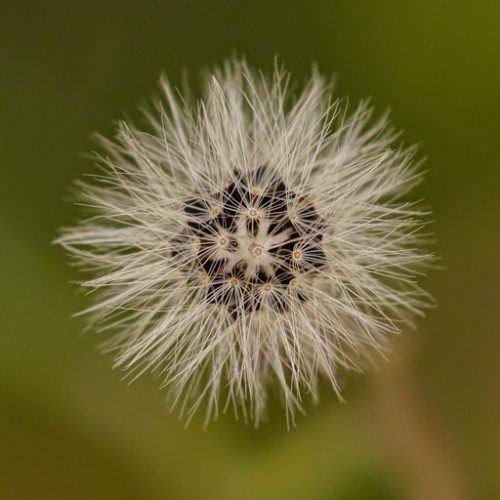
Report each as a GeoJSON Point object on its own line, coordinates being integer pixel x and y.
{"type": "Point", "coordinates": [425, 426]}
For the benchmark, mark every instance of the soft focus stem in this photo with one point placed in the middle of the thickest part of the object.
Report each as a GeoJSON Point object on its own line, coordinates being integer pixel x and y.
{"type": "Point", "coordinates": [415, 435]}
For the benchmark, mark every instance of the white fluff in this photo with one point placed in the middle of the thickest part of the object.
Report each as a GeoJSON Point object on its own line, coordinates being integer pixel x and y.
{"type": "Point", "coordinates": [345, 165]}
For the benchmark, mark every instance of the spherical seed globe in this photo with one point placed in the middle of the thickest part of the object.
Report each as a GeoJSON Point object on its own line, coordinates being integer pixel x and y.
{"type": "Point", "coordinates": [252, 238]}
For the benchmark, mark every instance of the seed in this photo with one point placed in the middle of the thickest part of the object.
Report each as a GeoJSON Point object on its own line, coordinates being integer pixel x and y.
{"type": "Point", "coordinates": [252, 212]}
{"type": "Point", "coordinates": [258, 251]}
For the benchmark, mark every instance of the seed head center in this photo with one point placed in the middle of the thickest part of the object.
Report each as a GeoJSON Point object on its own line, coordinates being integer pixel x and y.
{"type": "Point", "coordinates": [250, 241]}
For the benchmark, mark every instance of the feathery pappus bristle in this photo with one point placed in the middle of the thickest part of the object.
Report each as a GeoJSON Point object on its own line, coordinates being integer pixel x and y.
{"type": "Point", "coordinates": [254, 237]}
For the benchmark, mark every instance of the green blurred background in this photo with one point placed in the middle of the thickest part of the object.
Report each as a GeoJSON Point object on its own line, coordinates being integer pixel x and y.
{"type": "Point", "coordinates": [425, 426]}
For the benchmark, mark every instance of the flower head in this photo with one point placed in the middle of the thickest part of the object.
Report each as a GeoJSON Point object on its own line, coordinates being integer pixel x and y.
{"type": "Point", "coordinates": [254, 237]}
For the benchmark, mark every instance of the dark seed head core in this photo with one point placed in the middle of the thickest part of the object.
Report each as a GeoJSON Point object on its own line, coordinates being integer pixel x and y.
{"type": "Point", "coordinates": [249, 249]}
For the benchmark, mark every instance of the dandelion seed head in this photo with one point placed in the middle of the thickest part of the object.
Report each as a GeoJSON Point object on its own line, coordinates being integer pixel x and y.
{"type": "Point", "coordinates": [255, 237]}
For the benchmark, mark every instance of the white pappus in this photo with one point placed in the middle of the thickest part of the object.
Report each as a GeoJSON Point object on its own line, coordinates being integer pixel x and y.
{"type": "Point", "coordinates": [258, 236]}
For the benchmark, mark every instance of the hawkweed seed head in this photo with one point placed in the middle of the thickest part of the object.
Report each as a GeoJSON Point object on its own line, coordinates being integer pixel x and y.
{"type": "Point", "coordinates": [254, 237]}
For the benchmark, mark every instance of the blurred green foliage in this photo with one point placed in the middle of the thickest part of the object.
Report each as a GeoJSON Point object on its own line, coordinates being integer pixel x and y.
{"type": "Point", "coordinates": [69, 426]}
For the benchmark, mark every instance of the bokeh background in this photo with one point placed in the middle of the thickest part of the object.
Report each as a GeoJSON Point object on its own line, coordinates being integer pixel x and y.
{"type": "Point", "coordinates": [424, 426]}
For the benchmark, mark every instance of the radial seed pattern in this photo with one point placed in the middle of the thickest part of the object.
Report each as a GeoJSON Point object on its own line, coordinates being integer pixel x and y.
{"type": "Point", "coordinates": [257, 237]}
{"type": "Point", "coordinates": [249, 245]}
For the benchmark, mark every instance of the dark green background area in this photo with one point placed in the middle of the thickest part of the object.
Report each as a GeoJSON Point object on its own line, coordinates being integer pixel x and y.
{"type": "Point", "coordinates": [71, 428]}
